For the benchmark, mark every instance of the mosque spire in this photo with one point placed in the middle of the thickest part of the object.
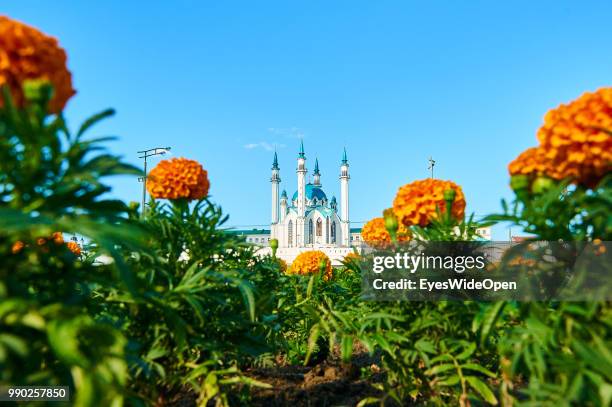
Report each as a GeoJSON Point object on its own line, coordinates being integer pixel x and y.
{"type": "Point", "coordinates": [317, 173]}
{"type": "Point", "coordinates": [302, 154]}
{"type": "Point", "coordinates": [275, 162]}
{"type": "Point", "coordinates": [344, 159]}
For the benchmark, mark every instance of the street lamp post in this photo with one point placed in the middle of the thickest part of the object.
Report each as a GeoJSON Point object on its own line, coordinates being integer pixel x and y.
{"type": "Point", "coordinates": [432, 163]}
{"type": "Point", "coordinates": [146, 154]}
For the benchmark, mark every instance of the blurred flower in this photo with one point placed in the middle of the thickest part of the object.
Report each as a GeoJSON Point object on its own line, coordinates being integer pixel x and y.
{"type": "Point", "coordinates": [376, 235]}
{"type": "Point", "coordinates": [352, 256]}
{"type": "Point", "coordinates": [178, 178]}
{"type": "Point", "coordinates": [307, 263]}
{"type": "Point", "coordinates": [576, 138]}
{"type": "Point", "coordinates": [599, 247]}
{"type": "Point", "coordinates": [417, 203]}
{"type": "Point", "coordinates": [28, 54]}
{"type": "Point", "coordinates": [74, 248]}
{"type": "Point", "coordinates": [521, 261]}
{"type": "Point", "coordinates": [58, 237]}
{"type": "Point", "coordinates": [350, 260]}
{"type": "Point", "coordinates": [17, 247]}
{"type": "Point", "coordinates": [282, 265]}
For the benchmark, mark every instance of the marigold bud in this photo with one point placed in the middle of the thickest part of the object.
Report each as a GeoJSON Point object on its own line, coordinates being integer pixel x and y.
{"type": "Point", "coordinates": [391, 224]}
{"type": "Point", "coordinates": [541, 185]}
{"type": "Point", "coordinates": [274, 246]}
{"type": "Point", "coordinates": [274, 243]}
{"type": "Point", "coordinates": [450, 194]}
{"type": "Point", "coordinates": [519, 182]}
{"type": "Point", "coordinates": [38, 91]}
{"type": "Point", "coordinates": [323, 261]}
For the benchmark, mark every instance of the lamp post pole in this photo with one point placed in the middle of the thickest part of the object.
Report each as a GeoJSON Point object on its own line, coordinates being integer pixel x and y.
{"type": "Point", "coordinates": [146, 154]}
{"type": "Point", "coordinates": [432, 163]}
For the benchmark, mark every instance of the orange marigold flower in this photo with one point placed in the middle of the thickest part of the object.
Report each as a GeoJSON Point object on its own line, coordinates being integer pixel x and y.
{"type": "Point", "coordinates": [178, 178]}
{"type": "Point", "coordinates": [307, 263]}
{"type": "Point", "coordinates": [17, 247]}
{"type": "Point", "coordinates": [375, 234]}
{"type": "Point", "coordinates": [577, 138]}
{"type": "Point", "coordinates": [58, 238]}
{"type": "Point", "coordinates": [41, 241]}
{"type": "Point", "coordinates": [74, 248]}
{"type": "Point", "coordinates": [533, 162]}
{"type": "Point", "coordinates": [417, 203]}
{"type": "Point", "coordinates": [28, 54]}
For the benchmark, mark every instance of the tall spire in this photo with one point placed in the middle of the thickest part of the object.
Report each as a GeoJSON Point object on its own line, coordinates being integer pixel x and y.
{"type": "Point", "coordinates": [301, 154]}
{"type": "Point", "coordinates": [317, 174]}
{"type": "Point", "coordinates": [344, 159]}
{"type": "Point", "coordinates": [275, 162]}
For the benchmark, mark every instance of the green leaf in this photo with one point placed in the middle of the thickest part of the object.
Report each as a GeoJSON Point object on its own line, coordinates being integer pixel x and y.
{"type": "Point", "coordinates": [489, 319]}
{"type": "Point", "coordinates": [482, 389]}
{"type": "Point", "coordinates": [440, 369]}
{"type": "Point", "coordinates": [469, 350]}
{"type": "Point", "coordinates": [312, 342]}
{"type": "Point", "coordinates": [14, 343]}
{"type": "Point", "coordinates": [449, 381]}
{"type": "Point", "coordinates": [347, 348]}
{"type": "Point", "coordinates": [87, 124]}
{"type": "Point", "coordinates": [478, 368]}
{"type": "Point", "coordinates": [249, 299]}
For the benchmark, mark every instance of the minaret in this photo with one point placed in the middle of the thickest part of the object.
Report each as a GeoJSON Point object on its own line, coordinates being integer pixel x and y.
{"type": "Point", "coordinates": [283, 206]}
{"type": "Point", "coordinates": [275, 180]}
{"type": "Point", "coordinates": [301, 198]}
{"type": "Point", "coordinates": [344, 200]}
{"type": "Point", "coordinates": [317, 175]}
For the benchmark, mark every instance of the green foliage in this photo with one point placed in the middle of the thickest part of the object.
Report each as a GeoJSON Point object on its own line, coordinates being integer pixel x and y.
{"type": "Point", "coordinates": [185, 306]}
{"type": "Point", "coordinates": [194, 311]}
{"type": "Point", "coordinates": [50, 181]}
{"type": "Point", "coordinates": [562, 212]}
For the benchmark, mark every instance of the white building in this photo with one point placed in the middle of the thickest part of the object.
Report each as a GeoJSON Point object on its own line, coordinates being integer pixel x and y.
{"type": "Point", "coordinates": [310, 221]}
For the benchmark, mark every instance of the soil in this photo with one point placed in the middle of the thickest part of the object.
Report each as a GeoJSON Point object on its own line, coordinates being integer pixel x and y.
{"type": "Point", "coordinates": [328, 383]}
{"type": "Point", "coordinates": [325, 384]}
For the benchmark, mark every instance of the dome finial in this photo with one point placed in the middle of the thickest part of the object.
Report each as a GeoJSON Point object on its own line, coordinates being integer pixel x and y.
{"type": "Point", "coordinates": [302, 154]}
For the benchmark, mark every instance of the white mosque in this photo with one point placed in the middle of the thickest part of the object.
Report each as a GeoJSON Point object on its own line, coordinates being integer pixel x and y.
{"type": "Point", "coordinates": [310, 221]}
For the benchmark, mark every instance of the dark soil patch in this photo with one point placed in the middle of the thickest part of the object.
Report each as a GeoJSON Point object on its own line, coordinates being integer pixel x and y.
{"type": "Point", "coordinates": [330, 383]}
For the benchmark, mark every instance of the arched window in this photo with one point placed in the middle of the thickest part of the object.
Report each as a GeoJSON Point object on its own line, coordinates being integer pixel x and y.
{"type": "Point", "coordinates": [290, 233]}
{"type": "Point", "coordinates": [333, 232]}
{"type": "Point", "coordinates": [326, 230]}
{"type": "Point", "coordinates": [310, 238]}
{"type": "Point", "coordinates": [319, 227]}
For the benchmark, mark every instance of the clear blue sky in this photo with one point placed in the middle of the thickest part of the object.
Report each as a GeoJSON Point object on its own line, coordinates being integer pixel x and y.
{"type": "Point", "coordinates": [394, 82]}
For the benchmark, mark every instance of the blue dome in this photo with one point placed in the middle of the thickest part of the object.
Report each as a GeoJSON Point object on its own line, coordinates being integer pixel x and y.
{"type": "Point", "coordinates": [311, 193]}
